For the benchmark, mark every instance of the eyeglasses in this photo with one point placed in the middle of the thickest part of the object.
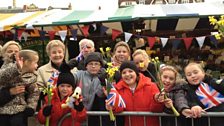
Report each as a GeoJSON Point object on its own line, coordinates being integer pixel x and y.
{"type": "Point", "coordinates": [93, 64]}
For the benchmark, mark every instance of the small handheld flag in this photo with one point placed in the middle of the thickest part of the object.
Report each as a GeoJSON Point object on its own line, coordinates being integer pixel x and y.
{"type": "Point", "coordinates": [208, 96]}
{"type": "Point", "coordinates": [114, 99]}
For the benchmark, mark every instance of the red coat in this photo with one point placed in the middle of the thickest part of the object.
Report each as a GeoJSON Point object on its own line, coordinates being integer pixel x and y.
{"type": "Point", "coordinates": [141, 100]}
{"type": "Point", "coordinates": [57, 112]}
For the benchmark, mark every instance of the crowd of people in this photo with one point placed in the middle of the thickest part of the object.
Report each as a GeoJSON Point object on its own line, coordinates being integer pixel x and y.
{"type": "Point", "coordinates": [137, 82]}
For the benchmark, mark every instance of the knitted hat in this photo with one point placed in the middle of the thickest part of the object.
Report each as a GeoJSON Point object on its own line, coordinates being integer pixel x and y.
{"type": "Point", "coordinates": [65, 76]}
{"type": "Point", "coordinates": [130, 65]}
{"type": "Point", "coordinates": [94, 56]}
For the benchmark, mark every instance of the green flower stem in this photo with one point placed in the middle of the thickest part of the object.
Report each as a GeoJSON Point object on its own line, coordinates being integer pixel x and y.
{"type": "Point", "coordinates": [49, 102]}
{"type": "Point", "coordinates": [112, 117]}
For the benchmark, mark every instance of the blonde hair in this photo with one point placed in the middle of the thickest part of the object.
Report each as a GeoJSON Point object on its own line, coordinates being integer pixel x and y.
{"type": "Point", "coordinates": [168, 67]}
{"type": "Point", "coordinates": [122, 43]}
{"type": "Point", "coordinates": [87, 41]}
{"type": "Point", "coordinates": [199, 65]}
{"type": "Point", "coordinates": [6, 45]}
{"type": "Point", "coordinates": [27, 54]}
{"type": "Point", "coordinates": [140, 52]}
{"type": "Point", "coordinates": [54, 43]}
{"type": "Point", "coordinates": [0, 50]}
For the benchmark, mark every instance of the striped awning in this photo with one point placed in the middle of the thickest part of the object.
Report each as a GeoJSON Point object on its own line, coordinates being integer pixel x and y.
{"type": "Point", "coordinates": [169, 16]}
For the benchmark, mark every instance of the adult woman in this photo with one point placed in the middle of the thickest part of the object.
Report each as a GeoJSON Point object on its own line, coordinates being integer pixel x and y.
{"type": "Point", "coordinates": [55, 50]}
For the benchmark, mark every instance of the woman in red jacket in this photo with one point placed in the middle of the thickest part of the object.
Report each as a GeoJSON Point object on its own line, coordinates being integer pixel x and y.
{"type": "Point", "coordinates": [139, 94]}
{"type": "Point", "coordinates": [65, 87]}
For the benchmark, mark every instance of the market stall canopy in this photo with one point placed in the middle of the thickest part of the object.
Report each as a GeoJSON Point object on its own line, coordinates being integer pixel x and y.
{"type": "Point", "coordinates": [177, 16]}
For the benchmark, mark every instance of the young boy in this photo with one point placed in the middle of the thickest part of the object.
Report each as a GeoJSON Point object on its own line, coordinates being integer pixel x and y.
{"type": "Point", "coordinates": [92, 90]}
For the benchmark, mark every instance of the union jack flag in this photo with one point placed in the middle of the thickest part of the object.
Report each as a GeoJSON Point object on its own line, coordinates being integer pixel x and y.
{"type": "Point", "coordinates": [114, 99]}
{"type": "Point", "coordinates": [53, 78]}
{"type": "Point", "coordinates": [208, 96]}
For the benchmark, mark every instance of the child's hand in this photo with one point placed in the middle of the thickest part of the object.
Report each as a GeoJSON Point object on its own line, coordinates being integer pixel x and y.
{"type": "Point", "coordinates": [160, 97]}
{"type": "Point", "coordinates": [187, 113]}
{"type": "Point", "coordinates": [168, 102]}
{"type": "Point", "coordinates": [79, 107]}
{"type": "Point", "coordinates": [108, 107]}
{"type": "Point", "coordinates": [197, 111]}
{"type": "Point", "coordinates": [47, 110]}
{"type": "Point", "coordinates": [19, 61]}
{"type": "Point", "coordinates": [17, 90]}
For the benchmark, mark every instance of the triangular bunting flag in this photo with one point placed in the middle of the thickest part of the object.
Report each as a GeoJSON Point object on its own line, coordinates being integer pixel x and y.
{"type": "Point", "coordinates": [127, 36]}
{"type": "Point", "coordinates": [103, 29]}
{"type": "Point", "coordinates": [51, 34]}
{"type": "Point", "coordinates": [42, 34]}
{"type": "Point", "coordinates": [20, 32]}
{"type": "Point", "coordinates": [176, 43]}
{"type": "Point", "coordinates": [187, 42]}
{"type": "Point", "coordinates": [201, 41]}
{"type": "Point", "coordinates": [85, 30]}
{"type": "Point", "coordinates": [164, 41]}
{"type": "Point", "coordinates": [214, 40]}
{"type": "Point", "coordinates": [151, 41]}
{"type": "Point", "coordinates": [74, 33]}
{"type": "Point", "coordinates": [25, 35]}
{"type": "Point", "coordinates": [115, 33]}
{"type": "Point", "coordinates": [62, 34]}
{"type": "Point", "coordinates": [29, 26]}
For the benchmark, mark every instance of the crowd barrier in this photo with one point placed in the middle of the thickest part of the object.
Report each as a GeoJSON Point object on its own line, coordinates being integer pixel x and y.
{"type": "Point", "coordinates": [144, 114]}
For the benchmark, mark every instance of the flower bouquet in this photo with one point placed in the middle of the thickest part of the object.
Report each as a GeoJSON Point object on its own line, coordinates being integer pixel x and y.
{"type": "Point", "coordinates": [160, 84]}
{"type": "Point", "coordinates": [48, 91]}
{"type": "Point", "coordinates": [106, 54]}
{"type": "Point", "coordinates": [218, 24]}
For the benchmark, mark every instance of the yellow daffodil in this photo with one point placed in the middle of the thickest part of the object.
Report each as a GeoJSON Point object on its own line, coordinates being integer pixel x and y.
{"type": "Point", "coordinates": [218, 24]}
{"type": "Point", "coordinates": [108, 49]}
{"type": "Point", "coordinates": [217, 36]}
{"type": "Point", "coordinates": [101, 50]}
{"type": "Point", "coordinates": [141, 65]}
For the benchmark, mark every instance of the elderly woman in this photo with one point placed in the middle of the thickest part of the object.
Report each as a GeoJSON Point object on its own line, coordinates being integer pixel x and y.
{"type": "Point", "coordinates": [56, 52]}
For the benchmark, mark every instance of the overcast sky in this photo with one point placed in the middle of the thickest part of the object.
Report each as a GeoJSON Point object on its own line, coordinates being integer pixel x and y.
{"type": "Point", "coordinates": [76, 4]}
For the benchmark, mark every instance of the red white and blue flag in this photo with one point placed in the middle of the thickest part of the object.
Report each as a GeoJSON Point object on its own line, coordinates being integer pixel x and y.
{"type": "Point", "coordinates": [114, 99]}
{"type": "Point", "coordinates": [208, 96]}
{"type": "Point", "coordinates": [54, 78]}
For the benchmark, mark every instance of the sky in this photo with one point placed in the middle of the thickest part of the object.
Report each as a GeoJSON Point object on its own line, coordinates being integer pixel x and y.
{"type": "Point", "coordinates": [76, 4]}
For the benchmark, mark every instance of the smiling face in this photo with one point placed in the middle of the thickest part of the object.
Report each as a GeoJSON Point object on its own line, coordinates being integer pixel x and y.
{"type": "Point", "coordinates": [168, 78]}
{"type": "Point", "coordinates": [129, 76]}
{"type": "Point", "coordinates": [122, 53]}
{"type": "Point", "coordinates": [194, 74]}
{"type": "Point", "coordinates": [65, 90]}
{"type": "Point", "coordinates": [56, 55]}
{"type": "Point", "coordinates": [93, 67]}
{"type": "Point", "coordinates": [141, 62]}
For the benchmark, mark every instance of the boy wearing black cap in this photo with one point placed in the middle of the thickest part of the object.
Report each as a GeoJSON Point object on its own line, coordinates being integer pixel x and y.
{"type": "Point", "coordinates": [65, 87]}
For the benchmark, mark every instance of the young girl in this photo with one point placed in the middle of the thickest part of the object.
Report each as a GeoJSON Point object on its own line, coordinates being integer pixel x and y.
{"type": "Point", "coordinates": [204, 94]}
{"type": "Point", "coordinates": [20, 75]}
{"type": "Point", "coordinates": [141, 59]}
{"type": "Point", "coordinates": [65, 87]}
{"type": "Point", "coordinates": [139, 94]}
{"type": "Point", "coordinates": [174, 88]}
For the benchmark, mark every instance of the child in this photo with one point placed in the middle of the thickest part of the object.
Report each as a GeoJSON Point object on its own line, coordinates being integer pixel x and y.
{"type": "Point", "coordinates": [92, 91]}
{"type": "Point", "coordinates": [200, 94]}
{"type": "Point", "coordinates": [65, 87]}
{"type": "Point", "coordinates": [139, 94]}
{"type": "Point", "coordinates": [141, 59]}
{"type": "Point", "coordinates": [20, 75]}
{"type": "Point", "coordinates": [174, 88]}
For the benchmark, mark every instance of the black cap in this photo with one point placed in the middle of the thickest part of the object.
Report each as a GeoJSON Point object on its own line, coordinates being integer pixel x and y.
{"type": "Point", "coordinates": [130, 65]}
{"type": "Point", "coordinates": [94, 56]}
{"type": "Point", "coordinates": [65, 76]}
